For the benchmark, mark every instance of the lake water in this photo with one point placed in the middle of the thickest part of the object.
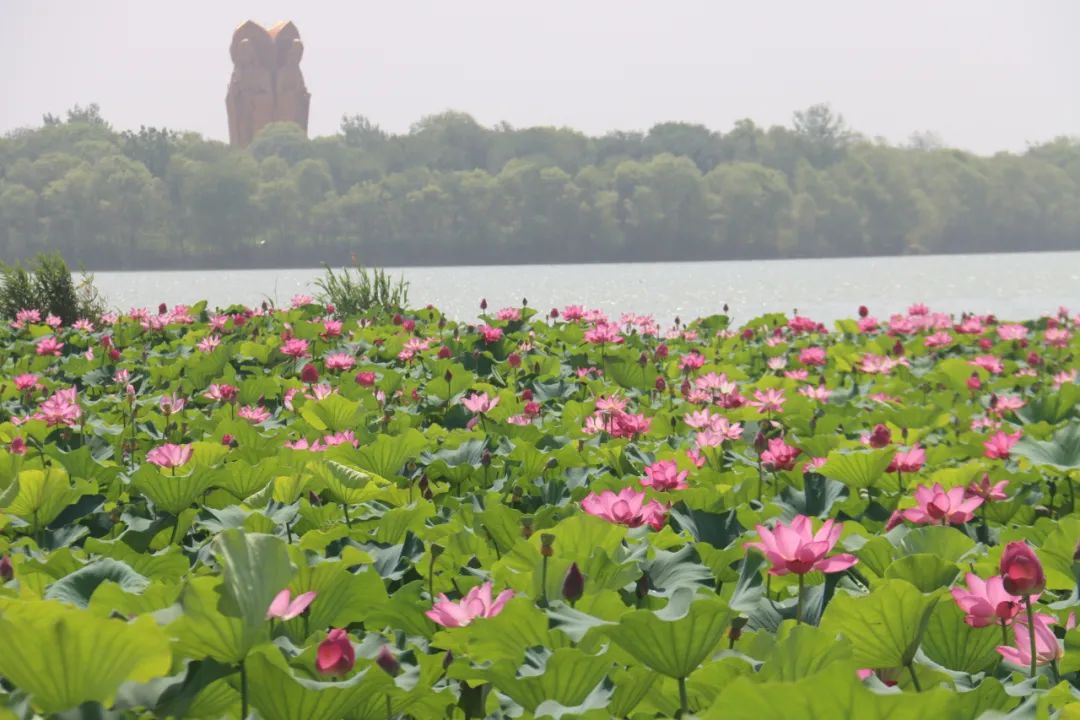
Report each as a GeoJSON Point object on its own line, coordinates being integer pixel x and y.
{"type": "Point", "coordinates": [1017, 286]}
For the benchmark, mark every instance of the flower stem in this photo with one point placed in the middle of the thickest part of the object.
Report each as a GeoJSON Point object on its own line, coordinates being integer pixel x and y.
{"type": "Point", "coordinates": [243, 691]}
{"type": "Point", "coordinates": [798, 600]}
{"type": "Point", "coordinates": [1004, 633]}
{"type": "Point", "coordinates": [684, 701]}
{"type": "Point", "coordinates": [1031, 633]}
{"type": "Point", "coordinates": [914, 678]}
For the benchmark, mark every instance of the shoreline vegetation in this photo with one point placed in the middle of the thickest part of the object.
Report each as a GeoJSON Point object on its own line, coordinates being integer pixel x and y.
{"type": "Point", "coordinates": [346, 507]}
{"type": "Point", "coordinates": [453, 192]}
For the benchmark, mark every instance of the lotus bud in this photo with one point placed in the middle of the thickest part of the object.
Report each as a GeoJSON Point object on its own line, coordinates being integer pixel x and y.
{"type": "Point", "coordinates": [387, 661]}
{"type": "Point", "coordinates": [573, 586]}
{"type": "Point", "coordinates": [483, 303]}
{"type": "Point", "coordinates": [335, 655]}
{"type": "Point", "coordinates": [309, 374]}
{"type": "Point", "coordinates": [863, 311]}
{"type": "Point", "coordinates": [641, 589]}
{"type": "Point", "coordinates": [7, 570]}
{"type": "Point", "coordinates": [1021, 571]}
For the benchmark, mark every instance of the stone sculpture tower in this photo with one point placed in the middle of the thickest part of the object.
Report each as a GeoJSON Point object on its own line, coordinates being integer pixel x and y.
{"type": "Point", "coordinates": [267, 85]}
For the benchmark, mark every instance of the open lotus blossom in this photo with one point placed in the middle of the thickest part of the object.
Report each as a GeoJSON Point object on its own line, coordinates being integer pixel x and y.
{"type": "Point", "coordinates": [170, 455]}
{"type": "Point", "coordinates": [665, 475]}
{"type": "Point", "coordinates": [768, 401]}
{"type": "Point", "coordinates": [284, 607]}
{"type": "Point", "coordinates": [254, 414]}
{"type": "Point", "coordinates": [335, 655]}
{"type": "Point", "coordinates": [62, 408]}
{"type": "Point", "coordinates": [1047, 647]}
{"type": "Point", "coordinates": [480, 403]}
{"type": "Point", "coordinates": [813, 355]}
{"type": "Point", "coordinates": [26, 381]}
{"type": "Point", "coordinates": [779, 455]}
{"type": "Point", "coordinates": [1000, 444]}
{"type": "Point", "coordinates": [339, 361]}
{"type": "Point", "coordinates": [985, 602]}
{"type": "Point", "coordinates": [221, 393]}
{"type": "Point", "coordinates": [796, 548]}
{"type": "Point", "coordinates": [604, 334]}
{"type": "Point", "coordinates": [987, 491]}
{"type": "Point", "coordinates": [628, 508]}
{"type": "Point", "coordinates": [295, 348]}
{"type": "Point", "coordinates": [938, 506]}
{"type": "Point", "coordinates": [49, 345]}
{"type": "Point", "coordinates": [908, 460]}
{"type": "Point", "coordinates": [171, 404]}
{"type": "Point", "coordinates": [477, 603]}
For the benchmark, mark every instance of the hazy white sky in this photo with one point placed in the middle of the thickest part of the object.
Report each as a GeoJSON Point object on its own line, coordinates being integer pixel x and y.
{"type": "Point", "coordinates": [986, 75]}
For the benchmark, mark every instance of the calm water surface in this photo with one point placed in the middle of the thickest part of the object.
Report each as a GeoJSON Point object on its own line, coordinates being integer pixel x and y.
{"type": "Point", "coordinates": [1017, 286]}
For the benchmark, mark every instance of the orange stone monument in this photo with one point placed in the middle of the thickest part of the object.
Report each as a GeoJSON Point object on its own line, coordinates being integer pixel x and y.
{"type": "Point", "coordinates": [266, 85]}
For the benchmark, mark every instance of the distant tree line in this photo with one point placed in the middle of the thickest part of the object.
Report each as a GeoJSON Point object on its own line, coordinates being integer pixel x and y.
{"type": "Point", "coordinates": [453, 191]}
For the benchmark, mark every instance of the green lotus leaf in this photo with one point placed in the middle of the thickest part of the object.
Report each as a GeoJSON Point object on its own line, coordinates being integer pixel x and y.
{"type": "Point", "coordinates": [675, 640]}
{"type": "Point", "coordinates": [885, 627]}
{"type": "Point", "coordinates": [168, 492]}
{"type": "Point", "coordinates": [1062, 452]}
{"type": "Point", "coordinates": [64, 657]}
{"type": "Point", "coordinates": [857, 470]}
{"type": "Point", "coordinates": [954, 644]}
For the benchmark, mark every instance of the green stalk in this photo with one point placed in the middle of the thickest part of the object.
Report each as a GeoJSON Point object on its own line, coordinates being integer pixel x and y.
{"type": "Point", "coordinates": [243, 691]}
{"type": "Point", "coordinates": [684, 701]}
{"type": "Point", "coordinates": [1031, 632]}
{"type": "Point", "coordinates": [914, 678]}
{"type": "Point", "coordinates": [798, 600]}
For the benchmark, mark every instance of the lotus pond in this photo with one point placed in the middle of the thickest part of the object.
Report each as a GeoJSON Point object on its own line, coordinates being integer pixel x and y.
{"type": "Point", "coordinates": [290, 515]}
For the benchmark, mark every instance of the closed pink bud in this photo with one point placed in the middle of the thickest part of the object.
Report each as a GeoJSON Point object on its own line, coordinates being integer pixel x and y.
{"type": "Point", "coordinates": [1021, 571]}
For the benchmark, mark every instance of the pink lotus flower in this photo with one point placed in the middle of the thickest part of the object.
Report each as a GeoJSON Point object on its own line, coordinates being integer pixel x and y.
{"type": "Point", "coordinates": [301, 300]}
{"type": "Point", "coordinates": [983, 489]}
{"type": "Point", "coordinates": [171, 404]}
{"type": "Point", "coordinates": [989, 363]}
{"type": "Point", "coordinates": [691, 361]}
{"type": "Point", "coordinates": [480, 403]}
{"type": "Point", "coordinates": [936, 506]}
{"type": "Point", "coordinates": [798, 549]}
{"type": "Point", "coordinates": [26, 381]}
{"type": "Point", "coordinates": [477, 603]}
{"type": "Point", "coordinates": [1000, 444]}
{"type": "Point", "coordinates": [1021, 571]}
{"type": "Point", "coordinates": [60, 409]}
{"type": "Point", "coordinates": [339, 361]}
{"type": "Point", "coordinates": [49, 345]}
{"type": "Point", "coordinates": [628, 508]}
{"type": "Point", "coordinates": [491, 334]}
{"type": "Point", "coordinates": [779, 455]}
{"type": "Point", "coordinates": [221, 393]}
{"type": "Point", "coordinates": [1047, 648]}
{"type": "Point", "coordinates": [1012, 332]}
{"type": "Point", "coordinates": [814, 464]}
{"type": "Point", "coordinates": [17, 446]}
{"type": "Point", "coordinates": [603, 334]}
{"type": "Point", "coordinates": [665, 475]}
{"type": "Point", "coordinates": [254, 414]}
{"type": "Point", "coordinates": [908, 460]}
{"type": "Point", "coordinates": [367, 379]}
{"type": "Point", "coordinates": [336, 655]}
{"type": "Point", "coordinates": [938, 339]}
{"type": "Point", "coordinates": [819, 393]}
{"type": "Point", "coordinates": [283, 607]}
{"type": "Point", "coordinates": [813, 355]}
{"type": "Point", "coordinates": [169, 455]}
{"type": "Point", "coordinates": [295, 348]}
{"type": "Point", "coordinates": [879, 437]}
{"type": "Point", "coordinates": [208, 344]}
{"type": "Point", "coordinates": [771, 400]}
{"type": "Point", "coordinates": [510, 313]}
{"type": "Point", "coordinates": [331, 329]}
{"type": "Point", "coordinates": [986, 602]}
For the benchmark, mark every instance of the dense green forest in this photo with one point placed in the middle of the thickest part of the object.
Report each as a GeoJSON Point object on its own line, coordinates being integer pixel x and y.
{"type": "Point", "coordinates": [453, 191]}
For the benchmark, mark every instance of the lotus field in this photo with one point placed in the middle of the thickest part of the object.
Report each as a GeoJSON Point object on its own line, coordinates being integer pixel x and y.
{"type": "Point", "coordinates": [288, 514]}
